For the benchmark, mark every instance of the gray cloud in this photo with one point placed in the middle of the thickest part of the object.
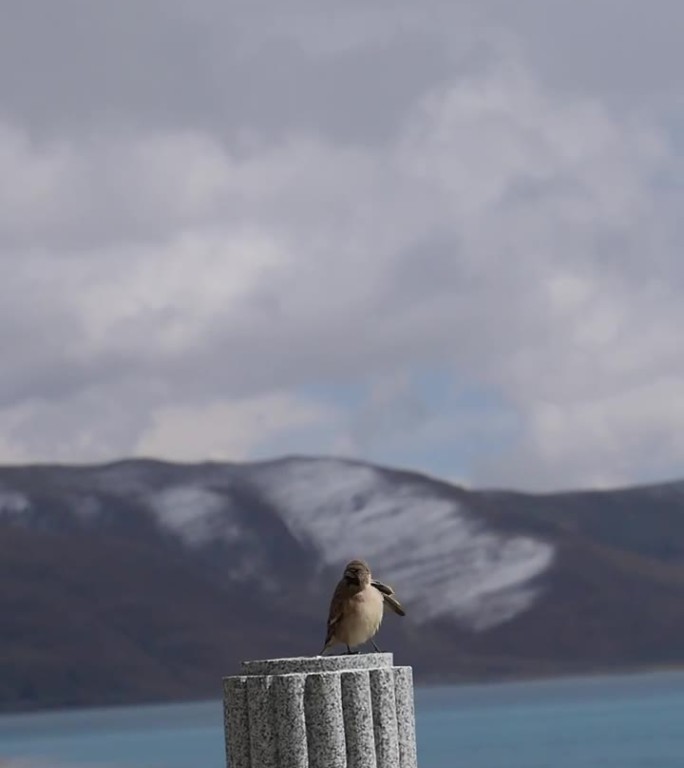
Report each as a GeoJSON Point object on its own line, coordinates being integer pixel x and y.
{"type": "Point", "coordinates": [616, 50]}
{"type": "Point", "coordinates": [216, 67]}
{"type": "Point", "coordinates": [206, 211]}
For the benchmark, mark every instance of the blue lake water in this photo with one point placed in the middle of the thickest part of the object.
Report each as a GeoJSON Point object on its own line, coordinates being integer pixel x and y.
{"type": "Point", "coordinates": [634, 721]}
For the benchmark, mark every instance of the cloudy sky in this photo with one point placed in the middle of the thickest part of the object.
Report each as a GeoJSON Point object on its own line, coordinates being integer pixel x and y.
{"type": "Point", "coordinates": [440, 235]}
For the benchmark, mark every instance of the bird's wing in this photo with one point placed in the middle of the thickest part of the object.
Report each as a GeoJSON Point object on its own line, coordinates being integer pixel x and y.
{"type": "Point", "coordinates": [384, 588]}
{"type": "Point", "coordinates": [389, 599]}
{"type": "Point", "coordinates": [394, 604]}
{"type": "Point", "coordinates": [336, 609]}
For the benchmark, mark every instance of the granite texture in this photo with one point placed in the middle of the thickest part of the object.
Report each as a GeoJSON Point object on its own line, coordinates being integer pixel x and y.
{"type": "Point", "coordinates": [347, 711]}
{"type": "Point", "coordinates": [263, 736]}
{"type": "Point", "coordinates": [358, 720]}
{"type": "Point", "coordinates": [309, 664]}
{"type": "Point", "coordinates": [384, 718]}
{"type": "Point", "coordinates": [406, 716]}
{"type": "Point", "coordinates": [236, 722]}
{"type": "Point", "coordinates": [290, 717]}
{"type": "Point", "coordinates": [325, 721]}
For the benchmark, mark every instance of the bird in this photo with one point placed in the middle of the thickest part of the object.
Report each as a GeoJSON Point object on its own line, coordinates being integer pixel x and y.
{"type": "Point", "coordinates": [357, 608]}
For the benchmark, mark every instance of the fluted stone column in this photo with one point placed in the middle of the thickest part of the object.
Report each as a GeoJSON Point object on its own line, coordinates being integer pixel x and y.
{"type": "Point", "coordinates": [348, 711]}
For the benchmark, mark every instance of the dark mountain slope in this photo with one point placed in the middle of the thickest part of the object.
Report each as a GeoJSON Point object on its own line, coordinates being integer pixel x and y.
{"type": "Point", "coordinates": [144, 580]}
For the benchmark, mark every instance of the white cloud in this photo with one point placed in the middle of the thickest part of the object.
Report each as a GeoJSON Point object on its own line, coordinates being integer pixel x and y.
{"type": "Point", "coordinates": [228, 430]}
{"type": "Point", "coordinates": [173, 271]}
{"type": "Point", "coordinates": [603, 441]}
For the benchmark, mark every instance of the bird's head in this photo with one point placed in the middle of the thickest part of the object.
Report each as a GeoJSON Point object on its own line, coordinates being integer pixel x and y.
{"type": "Point", "coordinates": [357, 573]}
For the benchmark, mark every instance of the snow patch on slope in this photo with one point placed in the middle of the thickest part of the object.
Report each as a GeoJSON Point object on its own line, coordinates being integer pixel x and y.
{"type": "Point", "coordinates": [13, 503]}
{"type": "Point", "coordinates": [194, 513]}
{"type": "Point", "coordinates": [441, 561]}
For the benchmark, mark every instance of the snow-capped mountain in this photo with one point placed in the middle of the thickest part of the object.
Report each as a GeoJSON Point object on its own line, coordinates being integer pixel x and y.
{"type": "Point", "coordinates": [162, 576]}
{"type": "Point", "coordinates": [444, 562]}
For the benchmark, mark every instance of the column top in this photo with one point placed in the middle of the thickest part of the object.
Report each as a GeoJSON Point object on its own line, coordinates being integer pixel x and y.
{"type": "Point", "coordinates": [312, 664]}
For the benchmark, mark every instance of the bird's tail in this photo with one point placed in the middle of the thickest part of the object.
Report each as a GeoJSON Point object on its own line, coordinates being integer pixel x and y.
{"type": "Point", "coordinates": [329, 641]}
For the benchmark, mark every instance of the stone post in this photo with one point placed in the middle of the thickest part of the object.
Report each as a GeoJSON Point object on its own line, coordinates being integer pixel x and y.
{"type": "Point", "coordinates": [348, 711]}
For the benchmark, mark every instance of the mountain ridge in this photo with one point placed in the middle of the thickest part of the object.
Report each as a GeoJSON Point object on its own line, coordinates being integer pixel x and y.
{"type": "Point", "coordinates": [143, 580]}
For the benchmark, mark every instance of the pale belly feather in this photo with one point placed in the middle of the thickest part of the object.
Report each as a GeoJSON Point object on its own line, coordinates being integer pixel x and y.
{"type": "Point", "coordinates": [363, 618]}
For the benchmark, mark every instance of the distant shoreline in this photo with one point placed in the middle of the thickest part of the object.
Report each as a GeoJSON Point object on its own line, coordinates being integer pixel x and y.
{"type": "Point", "coordinates": [558, 674]}
{"type": "Point", "coordinates": [421, 682]}
{"type": "Point", "coordinates": [574, 674]}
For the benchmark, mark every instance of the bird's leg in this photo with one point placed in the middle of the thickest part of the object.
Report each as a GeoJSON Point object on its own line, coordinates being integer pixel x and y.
{"type": "Point", "coordinates": [349, 651]}
{"type": "Point", "coordinates": [377, 650]}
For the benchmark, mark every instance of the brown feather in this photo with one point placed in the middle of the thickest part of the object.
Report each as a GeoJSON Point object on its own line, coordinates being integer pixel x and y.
{"type": "Point", "coordinates": [384, 588]}
{"type": "Point", "coordinates": [394, 604]}
{"type": "Point", "coordinates": [336, 612]}
{"type": "Point", "coordinates": [389, 598]}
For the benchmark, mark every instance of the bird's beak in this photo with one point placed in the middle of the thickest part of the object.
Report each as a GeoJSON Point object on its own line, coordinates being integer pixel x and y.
{"type": "Point", "coordinates": [351, 578]}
